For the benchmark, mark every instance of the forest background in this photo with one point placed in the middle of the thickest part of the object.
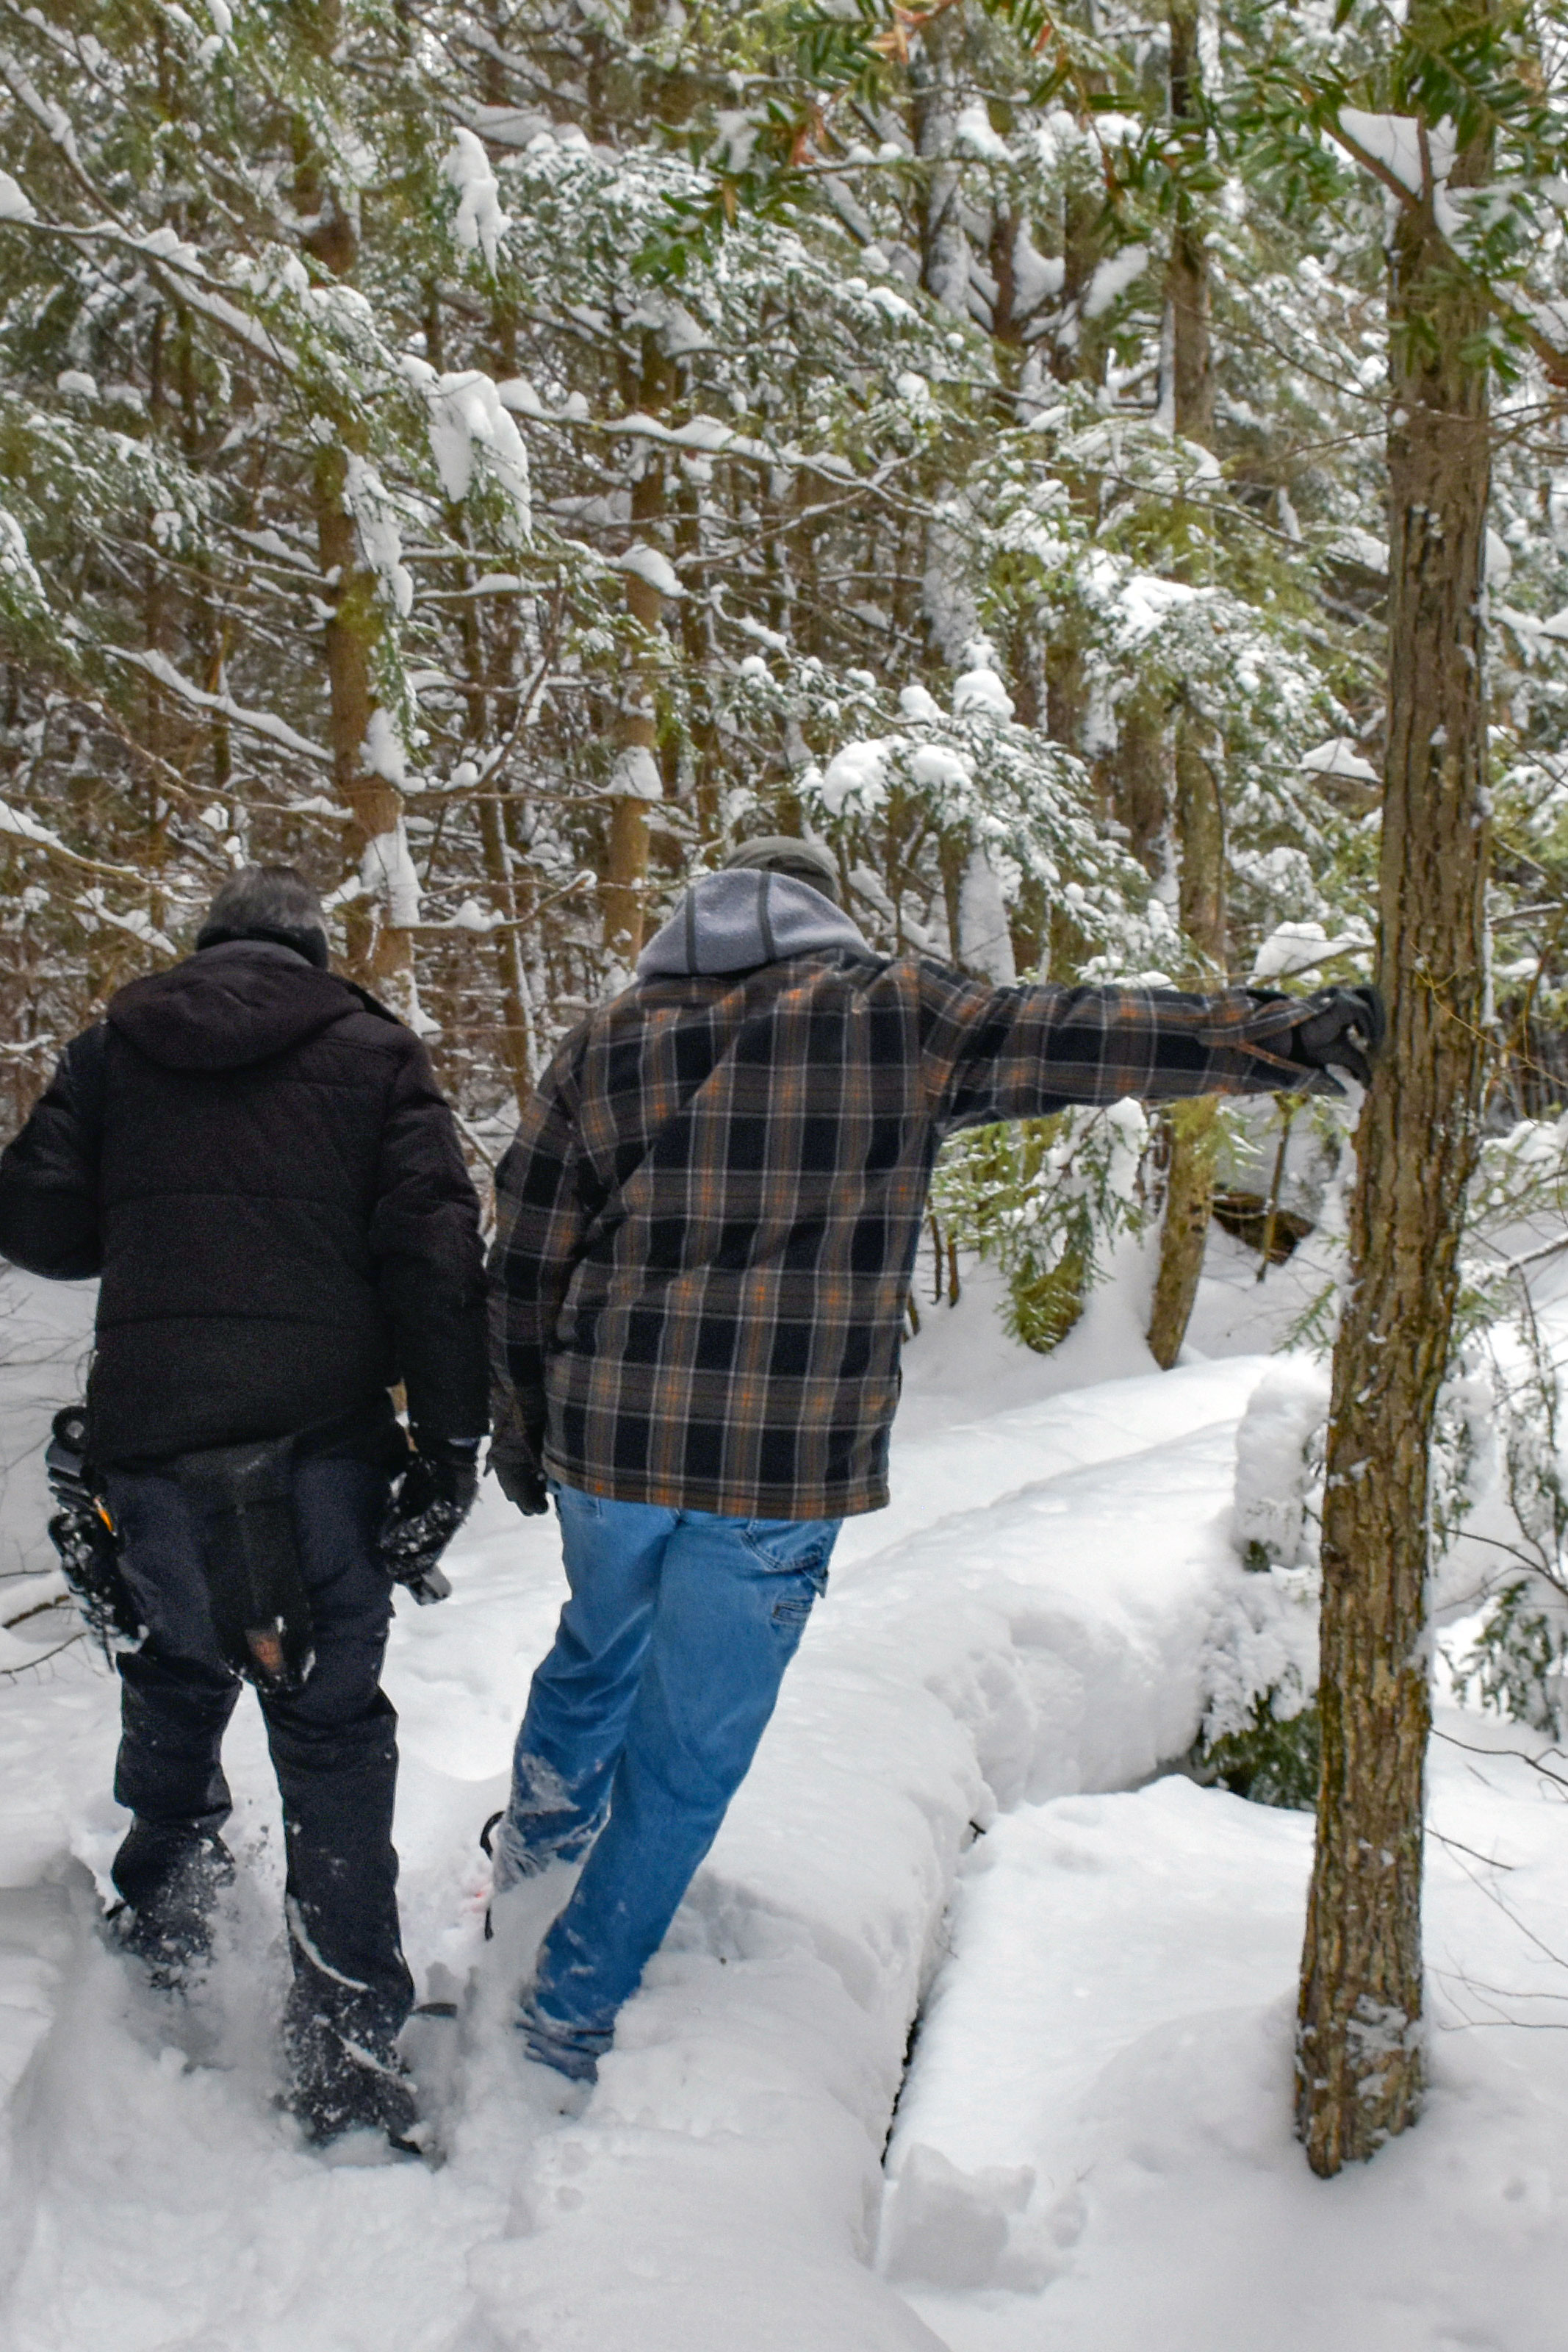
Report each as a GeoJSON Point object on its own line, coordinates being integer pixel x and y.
{"type": "Point", "coordinates": [500, 457]}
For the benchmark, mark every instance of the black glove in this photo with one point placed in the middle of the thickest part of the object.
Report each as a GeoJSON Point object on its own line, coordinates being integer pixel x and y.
{"type": "Point", "coordinates": [429, 1504]}
{"type": "Point", "coordinates": [520, 1479]}
{"type": "Point", "coordinates": [1345, 1030]}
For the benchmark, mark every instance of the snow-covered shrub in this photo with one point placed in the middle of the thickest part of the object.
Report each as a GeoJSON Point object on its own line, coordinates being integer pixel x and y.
{"type": "Point", "coordinates": [957, 829]}
{"type": "Point", "coordinates": [1272, 1759]}
{"type": "Point", "coordinates": [1259, 1735]}
{"type": "Point", "coordinates": [1280, 1466]}
{"type": "Point", "coordinates": [1044, 1199]}
{"type": "Point", "coordinates": [1510, 1424]}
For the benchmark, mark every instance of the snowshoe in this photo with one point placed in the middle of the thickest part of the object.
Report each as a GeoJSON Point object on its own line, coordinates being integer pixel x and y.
{"type": "Point", "coordinates": [346, 2080]}
{"type": "Point", "coordinates": [434, 2042]}
{"type": "Point", "coordinates": [347, 2089]}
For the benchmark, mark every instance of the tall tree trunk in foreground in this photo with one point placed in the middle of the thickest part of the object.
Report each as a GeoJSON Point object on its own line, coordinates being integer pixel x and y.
{"type": "Point", "coordinates": [1360, 2061]}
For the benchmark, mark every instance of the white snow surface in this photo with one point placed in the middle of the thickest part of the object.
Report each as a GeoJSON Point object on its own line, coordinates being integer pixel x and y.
{"type": "Point", "coordinates": [1092, 2145]}
{"type": "Point", "coordinates": [1116, 2030]}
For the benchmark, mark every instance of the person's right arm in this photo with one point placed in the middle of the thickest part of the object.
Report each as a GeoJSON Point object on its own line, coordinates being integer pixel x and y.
{"type": "Point", "coordinates": [49, 1174]}
{"type": "Point", "coordinates": [1023, 1052]}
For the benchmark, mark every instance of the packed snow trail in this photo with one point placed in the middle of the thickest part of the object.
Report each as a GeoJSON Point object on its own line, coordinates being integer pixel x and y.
{"type": "Point", "coordinates": [730, 2160]}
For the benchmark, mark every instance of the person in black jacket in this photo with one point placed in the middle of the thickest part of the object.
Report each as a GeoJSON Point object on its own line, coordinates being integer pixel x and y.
{"type": "Point", "coordinates": [255, 1157]}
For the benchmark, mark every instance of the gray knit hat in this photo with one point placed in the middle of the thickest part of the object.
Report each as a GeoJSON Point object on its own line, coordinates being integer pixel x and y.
{"type": "Point", "coordinates": [785, 853]}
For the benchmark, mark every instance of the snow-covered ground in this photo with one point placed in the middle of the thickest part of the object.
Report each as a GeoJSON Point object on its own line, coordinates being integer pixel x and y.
{"type": "Point", "coordinates": [954, 1813]}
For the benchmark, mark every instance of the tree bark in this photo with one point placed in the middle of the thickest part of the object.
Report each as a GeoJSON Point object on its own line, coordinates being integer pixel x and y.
{"type": "Point", "coordinates": [1139, 777]}
{"type": "Point", "coordinates": [350, 587]}
{"type": "Point", "coordinates": [1194, 1130]}
{"type": "Point", "coordinates": [1191, 360]}
{"type": "Point", "coordinates": [1360, 2061]}
{"type": "Point", "coordinates": [1200, 811]}
{"type": "Point", "coordinates": [637, 734]}
{"type": "Point", "coordinates": [1195, 1134]}
{"type": "Point", "coordinates": [1200, 836]}
{"type": "Point", "coordinates": [945, 249]}
{"type": "Point", "coordinates": [375, 805]}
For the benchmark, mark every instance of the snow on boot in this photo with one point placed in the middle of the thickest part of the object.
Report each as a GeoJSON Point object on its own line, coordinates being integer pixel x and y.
{"type": "Point", "coordinates": [344, 2081]}
{"type": "Point", "coordinates": [570, 2051]}
{"type": "Point", "coordinates": [172, 1884]}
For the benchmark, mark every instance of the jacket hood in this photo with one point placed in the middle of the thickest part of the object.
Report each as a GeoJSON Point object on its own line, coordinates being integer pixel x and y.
{"type": "Point", "coordinates": [227, 1006]}
{"type": "Point", "coordinates": [742, 918]}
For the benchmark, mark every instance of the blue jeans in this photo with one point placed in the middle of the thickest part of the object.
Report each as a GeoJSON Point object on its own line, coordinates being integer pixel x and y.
{"type": "Point", "coordinates": [641, 1725]}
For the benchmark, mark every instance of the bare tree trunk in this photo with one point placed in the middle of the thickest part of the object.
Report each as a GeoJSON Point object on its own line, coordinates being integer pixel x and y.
{"type": "Point", "coordinates": [1190, 387]}
{"type": "Point", "coordinates": [351, 590]}
{"type": "Point", "coordinates": [1139, 776]}
{"type": "Point", "coordinates": [375, 804]}
{"type": "Point", "coordinates": [1360, 2062]}
{"type": "Point", "coordinates": [944, 251]}
{"type": "Point", "coordinates": [1200, 833]}
{"type": "Point", "coordinates": [636, 784]}
{"type": "Point", "coordinates": [1188, 396]}
{"type": "Point", "coordinates": [518, 1049]}
{"type": "Point", "coordinates": [1194, 1130]}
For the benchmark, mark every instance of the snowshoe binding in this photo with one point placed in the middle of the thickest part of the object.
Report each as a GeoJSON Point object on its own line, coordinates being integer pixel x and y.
{"type": "Point", "coordinates": [341, 2084]}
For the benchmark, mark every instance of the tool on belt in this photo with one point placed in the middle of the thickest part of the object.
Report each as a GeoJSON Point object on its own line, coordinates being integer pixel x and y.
{"type": "Point", "coordinates": [242, 1499]}
{"type": "Point", "coordinates": [82, 1532]}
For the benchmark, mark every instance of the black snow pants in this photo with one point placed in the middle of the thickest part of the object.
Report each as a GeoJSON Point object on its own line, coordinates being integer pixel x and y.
{"type": "Point", "coordinates": [333, 1744]}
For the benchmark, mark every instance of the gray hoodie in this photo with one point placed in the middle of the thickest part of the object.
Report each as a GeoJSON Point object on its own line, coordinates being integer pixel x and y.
{"type": "Point", "coordinates": [742, 918]}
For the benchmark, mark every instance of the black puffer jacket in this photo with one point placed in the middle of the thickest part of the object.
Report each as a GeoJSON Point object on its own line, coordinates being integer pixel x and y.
{"type": "Point", "coordinates": [258, 1160]}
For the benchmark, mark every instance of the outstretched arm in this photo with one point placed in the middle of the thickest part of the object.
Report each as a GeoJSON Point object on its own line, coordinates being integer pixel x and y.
{"type": "Point", "coordinates": [1023, 1052]}
{"type": "Point", "coordinates": [48, 1174]}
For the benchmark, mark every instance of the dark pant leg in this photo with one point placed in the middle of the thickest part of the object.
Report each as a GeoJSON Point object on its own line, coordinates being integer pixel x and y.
{"type": "Point", "coordinates": [176, 1699]}
{"type": "Point", "coordinates": [334, 1749]}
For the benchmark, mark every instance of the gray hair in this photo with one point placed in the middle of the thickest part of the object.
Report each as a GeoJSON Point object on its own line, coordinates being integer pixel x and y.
{"type": "Point", "coordinates": [269, 902]}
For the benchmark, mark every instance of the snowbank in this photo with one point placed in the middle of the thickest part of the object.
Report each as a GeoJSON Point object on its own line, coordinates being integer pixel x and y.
{"type": "Point", "coordinates": [1100, 2105]}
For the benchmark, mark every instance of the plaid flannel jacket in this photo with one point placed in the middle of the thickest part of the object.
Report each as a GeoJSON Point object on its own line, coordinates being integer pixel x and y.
{"type": "Point", "coordinates": [708, 1220]}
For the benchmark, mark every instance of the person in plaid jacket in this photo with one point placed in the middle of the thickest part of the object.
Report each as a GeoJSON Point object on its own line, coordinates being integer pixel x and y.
{"type": "Point", "coordinates": [707, 1227]}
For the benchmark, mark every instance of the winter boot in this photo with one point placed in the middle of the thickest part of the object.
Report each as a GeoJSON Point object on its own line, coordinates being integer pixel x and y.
{"type": "Point", "coordinates": [172, 1881]}
{"type": "Point", "coordinates": [346, 2074]}
{"type": "Point", "coordinates": [570, 2051]}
